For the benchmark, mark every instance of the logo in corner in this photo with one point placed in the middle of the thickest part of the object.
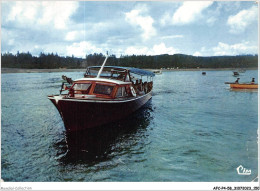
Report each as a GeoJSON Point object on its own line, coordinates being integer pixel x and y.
{"type": "Point", "coordinates": [243, 171]}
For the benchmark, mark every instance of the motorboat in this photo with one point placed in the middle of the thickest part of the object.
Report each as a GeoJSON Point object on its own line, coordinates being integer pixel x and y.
{"type": "Point", "coordinates": [105, 94]}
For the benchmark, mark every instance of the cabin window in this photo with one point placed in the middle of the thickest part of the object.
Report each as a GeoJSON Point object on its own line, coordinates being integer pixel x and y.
{"type": "Point", "coordinates": [121, 92]}
{"type": "Point", "coordinates": [103, 89]}
{"type": "Point", "coordinates": [84, 86]}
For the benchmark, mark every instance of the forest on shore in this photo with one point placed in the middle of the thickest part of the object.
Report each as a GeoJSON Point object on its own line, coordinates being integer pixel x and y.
{"type": "Point", "coordinates": [181, 61]}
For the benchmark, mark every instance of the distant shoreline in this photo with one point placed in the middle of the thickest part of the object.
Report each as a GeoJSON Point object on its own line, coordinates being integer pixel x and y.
{"type": "Point", "coordinates": [25, 70]}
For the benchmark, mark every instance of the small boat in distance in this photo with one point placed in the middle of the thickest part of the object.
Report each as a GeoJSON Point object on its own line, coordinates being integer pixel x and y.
{"type": "Point", "coordinates": [105, 94]}
{"type": "Point", "coordinates": [237, 85]}
{"type": "Point", "coordinates": [235, 74]}
{"type": "Point", "coordinates": [157, 72]}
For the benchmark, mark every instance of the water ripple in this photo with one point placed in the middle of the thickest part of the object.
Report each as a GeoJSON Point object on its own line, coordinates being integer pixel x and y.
{"type": "Point", "coordinates": [194, 129]}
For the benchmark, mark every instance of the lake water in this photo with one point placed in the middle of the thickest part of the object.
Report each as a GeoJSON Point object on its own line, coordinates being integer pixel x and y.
{"type": "Point", "coordinates": [193, 129]}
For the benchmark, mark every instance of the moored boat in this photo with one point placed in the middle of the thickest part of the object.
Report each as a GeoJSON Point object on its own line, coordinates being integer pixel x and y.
{"type": "Point", "coordinates": [235, 74]}
{"type": "Point", "coordinates": [104, 95]}
{"type": "Point", "coordinates": [158, 72]}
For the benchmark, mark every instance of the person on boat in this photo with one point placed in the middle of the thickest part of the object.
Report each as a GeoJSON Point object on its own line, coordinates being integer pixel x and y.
{"type": "Point", "coordinates": [109, 91]}
{"type": "Point", "coordinates": [237, 81]}
{"type": "Point", "coordinates": [253, 81]}
{"type": "Point", "coordinates": [121, 77]}
{"type": "Point", "coordinates": [71, 92]}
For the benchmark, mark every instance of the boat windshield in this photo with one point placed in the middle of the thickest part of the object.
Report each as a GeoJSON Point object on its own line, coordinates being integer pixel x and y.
{"type": "Point", "coordinates": [82, 86]}
{"type": "Point", "coordinates": [103, 89]}
{"type": "Point", "coordinates": [107, 73]}
{"type": "Point", "coordinates": [94, 72]}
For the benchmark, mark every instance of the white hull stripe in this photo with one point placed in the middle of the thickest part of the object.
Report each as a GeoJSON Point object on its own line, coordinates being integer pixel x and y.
{"type": "Point", "coordinates": [100, 101]}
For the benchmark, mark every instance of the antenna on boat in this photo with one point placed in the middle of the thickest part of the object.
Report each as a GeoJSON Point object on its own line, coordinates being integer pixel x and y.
{"type": "Point", "coordinates": [101, 69]}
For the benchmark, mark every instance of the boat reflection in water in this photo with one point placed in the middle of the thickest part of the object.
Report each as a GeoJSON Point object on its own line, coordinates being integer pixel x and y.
{"type": "Point", "coordinates": [97, 144]}
{"type": "Point", "coordinates": [243, 90]}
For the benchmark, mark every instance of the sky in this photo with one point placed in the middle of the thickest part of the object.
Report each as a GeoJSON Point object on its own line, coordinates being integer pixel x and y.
{"type": "Point", "coordinates": [79, 28]}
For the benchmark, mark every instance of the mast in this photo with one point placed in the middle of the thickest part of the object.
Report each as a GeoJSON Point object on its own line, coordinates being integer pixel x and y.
{"type": "Point", "coordinates": [101, 69]}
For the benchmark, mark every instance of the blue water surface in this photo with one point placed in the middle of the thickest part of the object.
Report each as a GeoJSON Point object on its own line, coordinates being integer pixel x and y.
{"type": "Point", "coordinates": [193, 129]}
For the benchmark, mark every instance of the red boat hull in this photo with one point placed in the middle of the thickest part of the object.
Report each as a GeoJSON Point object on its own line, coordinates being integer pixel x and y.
{"type": "Point", "coordinates": [244, 86]}
{"type": "Point", "coordinates": [82, 114]}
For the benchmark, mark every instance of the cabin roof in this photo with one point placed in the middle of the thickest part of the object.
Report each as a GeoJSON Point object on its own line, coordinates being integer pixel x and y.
{"type": "Point", "coordinates": [103, 80]}
{"type": "Point", "coordinates": [131, 69]}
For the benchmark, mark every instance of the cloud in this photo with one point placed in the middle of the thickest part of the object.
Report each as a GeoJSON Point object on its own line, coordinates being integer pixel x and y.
{"type": "Point", "coordinates": [82, 48]}
{"type": "Point", "coordinates": [189, 12]}
{"type": "Point", "coordinates": [197, 54]}
{"type": "Point", "coordinates": [227, 6]}
{"type": "Point", "coordinates": [211, 20]}
{"type": "Point", "coordinates": [241, 20]}
{"type": "Point", "coordinates": [225, 49]}
{"type": "Point", "coordinates": [80, 28]}
{"type": "Point", "coordinates": [166, 18]}
{"type": "Point", "coordinates": [138, 17]}
{"type": "Point", "coordinates": [136, 50]}
{"type": "Point", "coordinates": [49, 13]}
{"type": "Point", "coordinates": [58, 12]}
{"type": "Point", "coordinates": [74, 35]}
{"type": "Point", "coordinates": [156, 50]}
{"type": "Point", "coordinates": [172, 36]}
{"type": "Point", "coordinates": [235, 49]}
{"type": "Point", "coordinates": [162, 49]}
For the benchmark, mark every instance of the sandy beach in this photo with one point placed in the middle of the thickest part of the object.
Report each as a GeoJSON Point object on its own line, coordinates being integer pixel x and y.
{"type": "Point", "coordinates": [24, 70]}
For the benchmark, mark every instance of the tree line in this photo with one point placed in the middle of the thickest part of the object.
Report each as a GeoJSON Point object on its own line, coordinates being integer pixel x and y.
{"type": "Point", "coordinates": [51, 61]}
